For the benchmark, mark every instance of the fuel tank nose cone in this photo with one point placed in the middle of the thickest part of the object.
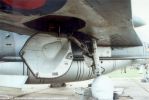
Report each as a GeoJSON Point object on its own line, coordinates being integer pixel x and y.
{"type": "Point", "coordinates": [138, 22]}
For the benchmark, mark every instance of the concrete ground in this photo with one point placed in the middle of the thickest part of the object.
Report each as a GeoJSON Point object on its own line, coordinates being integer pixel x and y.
{"type": "Point", "coordinates": [133, 90]}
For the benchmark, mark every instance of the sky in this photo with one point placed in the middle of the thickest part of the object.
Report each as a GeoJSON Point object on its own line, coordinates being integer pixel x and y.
{"type": "Point", "coordinates": [140, 8]}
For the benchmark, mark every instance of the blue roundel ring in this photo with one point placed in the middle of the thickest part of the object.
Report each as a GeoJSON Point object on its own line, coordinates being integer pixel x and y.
{"type": "Point", "coordinates": [49, 7]}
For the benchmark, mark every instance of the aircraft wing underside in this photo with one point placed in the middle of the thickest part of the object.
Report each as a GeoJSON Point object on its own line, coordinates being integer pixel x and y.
{"type": "Point", "coordinates": [110, 21]}
{"type": "Point", "coordinates": [118, 29]}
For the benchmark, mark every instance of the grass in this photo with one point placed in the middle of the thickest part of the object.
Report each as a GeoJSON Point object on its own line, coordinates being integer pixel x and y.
{"type": "Point", "coordinates": [130, 73]}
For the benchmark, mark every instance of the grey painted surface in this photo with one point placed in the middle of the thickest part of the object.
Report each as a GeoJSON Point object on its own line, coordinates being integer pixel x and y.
{"type": "Point", "coordinates": [13, 81]}
{"type": "Point", "coordinates": [78, 71]}
{"type": "Point", "coordinates": [11, 43]}
{"type": "Point", "coordinates": [138, 51]}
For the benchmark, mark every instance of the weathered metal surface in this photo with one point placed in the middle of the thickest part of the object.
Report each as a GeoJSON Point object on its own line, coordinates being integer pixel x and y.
{"type": "Point", "coordinates": [108, 20]}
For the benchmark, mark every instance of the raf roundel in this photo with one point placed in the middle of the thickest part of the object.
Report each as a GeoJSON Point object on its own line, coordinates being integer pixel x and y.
{"type": "Point", "coordinates": [31, 7]}
{"type": "Point", "coordinates": [25, 4]}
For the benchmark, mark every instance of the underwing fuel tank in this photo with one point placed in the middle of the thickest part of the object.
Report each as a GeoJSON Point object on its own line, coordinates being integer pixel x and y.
{"type": "Point", "coordinates": [51, 59]}
{"type": "Point", "coordinates": [78, 71]}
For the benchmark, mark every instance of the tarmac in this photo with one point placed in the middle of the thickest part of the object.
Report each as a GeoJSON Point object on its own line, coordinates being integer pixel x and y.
{"type": "Point", "coordinates": [128, 89]}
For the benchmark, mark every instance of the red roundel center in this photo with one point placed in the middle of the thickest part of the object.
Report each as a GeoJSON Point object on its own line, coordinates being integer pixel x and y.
{"type": "Point", "coordinates": [25, 4]}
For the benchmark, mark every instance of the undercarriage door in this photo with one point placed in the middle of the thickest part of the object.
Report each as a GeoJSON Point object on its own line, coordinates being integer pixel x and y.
{"type": "Point", "coordinates": [47, 56]}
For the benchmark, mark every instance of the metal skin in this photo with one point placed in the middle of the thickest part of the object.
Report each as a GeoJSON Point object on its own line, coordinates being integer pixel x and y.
{"type": "Point", "coordinates": [77, 71]}
{"type": "Point", "coordinates": [11, 44]}
{"type": "Point", "coordinates": [110, 21]}
{"type": "Point", "coordinates": [67, 40]}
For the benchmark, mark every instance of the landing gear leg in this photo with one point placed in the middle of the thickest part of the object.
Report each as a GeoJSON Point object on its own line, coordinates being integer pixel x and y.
{"type": "Point", "coordinates": [102, 87]}
{"type": "Point", "coordinates": [97, 66]}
